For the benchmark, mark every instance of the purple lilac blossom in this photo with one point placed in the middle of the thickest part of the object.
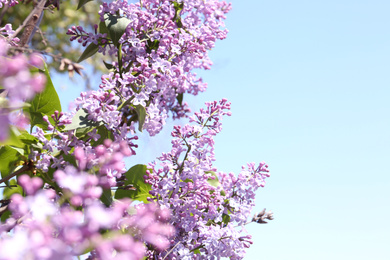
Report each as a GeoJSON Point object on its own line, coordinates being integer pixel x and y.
{"type": "Point", "coordinates": [8, 2]}
{"type": "Point", "coordinates": [76, 231]}
{"type": "Point", "coordinates": [18, 83]}
{"type": "Point", "coordinates": [208, 218]}
{"type": "Point", "coordinates": [154, 76]}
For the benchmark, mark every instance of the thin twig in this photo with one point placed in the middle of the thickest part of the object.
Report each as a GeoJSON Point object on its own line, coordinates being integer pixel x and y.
{"type": "Point", "coordinates": [170, 251]}
{"type": "Point", "coordinates": [21, 170]}
{"type": "Point", "coordinates": [72, 66]}
{"type": "Point", "coordinates": [185, 157]}
{"type": "Point", "coordinates": [42, 36]}
{"type": "Point", "coordinates": [8, 186]}
{"type": "Point", "coordinates": [31, 50]}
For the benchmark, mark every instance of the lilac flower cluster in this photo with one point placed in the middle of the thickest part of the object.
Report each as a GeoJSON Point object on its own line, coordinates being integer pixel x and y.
{"type": "Point", "coordinates": [17, 84]}
{"type": "Point", "coordinates": [7, 32]}
{"type": "Point", "coordinates": [121, 229]}
{"type": "Point", "coordinates": [113, 233]}
{"type": "Point", "coordinates": [74, 195]}
{"type": "Point", "coordinates": [8, 2]}
{"type": "Point", "coordinates": [107, 158]}
{"type": "Point", "coordinates": [207, 206]}
{"type": "Point", "coordinates": [162, 44]}
{"type": "Point", "coordinates": [85, 38]}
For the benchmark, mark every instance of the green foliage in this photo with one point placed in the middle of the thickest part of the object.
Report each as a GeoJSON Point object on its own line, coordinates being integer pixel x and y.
{"type": "Point", "coordinates": [178, 8]}
{"type": "Point", "coordinates": [8, 158]}
{"type": "Point", "coordinates": [89, 52]}
{"type": "Point", "coordinates": [135, 177]}
{"type": "Point", "coordinates": [83, 125]}
{"type": "Point", "coordinates": [213, 182]}
{"type": "Point", "coordinates": [13, 138]}
{"type": "Point", "coordinates": [27, 138]}
{"type": "Point", "coordinates": [116, 26]}
{"type": "Point", "coordinates": [104, 134]}
{"type": "Point", "coordinates": [152, 45]}
{"type": "Point", "coordinates": [109, 66]}
{"type": "Point", "coordinates": [197, 251]}
{"type": "Point", "coordinates": [5, 216]}
{"type": "Point", "coordinates": [44, 103]}
{"type": "Point", "coordinates": [70, 159]}
{"type": "Point", "coordinates": [106, 197]}
{"type": "Point", "coordinates": [141, 113]}
{"type": "Point", "coordinates": [80, 121]}
{"type": "Point", "coordinates": [13, 188]}
{"type": "Point", "coordinates": [225, 218]}
{"type": "Point", "coordinates": [179, 98]}
{"type": "Point", "coordinates": [82, 3]}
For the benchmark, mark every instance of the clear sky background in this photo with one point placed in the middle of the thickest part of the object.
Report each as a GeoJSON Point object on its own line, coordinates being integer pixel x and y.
{"type": "Point", "coordinates": [309, 83]}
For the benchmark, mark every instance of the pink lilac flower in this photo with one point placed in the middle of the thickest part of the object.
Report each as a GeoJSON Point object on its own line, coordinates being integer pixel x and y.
{"type": "Point", "coordinates": [18, 84]}
{"type": "Point", "coordinates": [8, 2]}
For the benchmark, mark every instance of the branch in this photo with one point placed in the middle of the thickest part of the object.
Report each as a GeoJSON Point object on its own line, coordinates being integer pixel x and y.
{"type": "Point", "coordinates": [185, 157]}
{"type": "Point", "coordinates": [30, 23]}
{"type": "Point", "coordinates": [3, 11]}
{"type": "Point", "coordinates": [21, 170]}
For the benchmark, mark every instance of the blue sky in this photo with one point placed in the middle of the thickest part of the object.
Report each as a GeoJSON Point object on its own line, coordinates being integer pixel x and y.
{"type": "Point", "coordinates": [309, 86]}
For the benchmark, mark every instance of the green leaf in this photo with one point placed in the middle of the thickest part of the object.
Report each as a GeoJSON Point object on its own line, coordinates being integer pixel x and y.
{"type": "Point", "coordinates": [197, 251]}
{"type": "Point", "coordinates": [80, 120]}
{"type": "Point", "coordinates": [70, 159]}
{"type": "Point", "coordinates": [141, 112]}
{"type": "Point", "coordinates": [152, 45]}
{"type": "Point", "coordinates": [120, 61]}
{"type": "Point", "coordinates": [5, 215]}
{"type": "Point", "coordinates": [88, 52]}
{"type": "Point", "coordinates": [82, 3]}
{"type": "Point", "coordinates": [8, 156]}
{"type": "Point", "coordinates": [103, 28]}
{"type": "Point", "coordinates": [213, 182]}
{"type": "Point", "coordinates": [109, 66]}
{"type": "Point", "coordinates": [179, 98]}
{"type": "Point", "coordinates": [135, 177]}
{"type": "Point", "coordinates": [106, 197]}
{"type": "Point", "coordinates": [13, 138]}
{"type": "Point", "coordinates": [44, 103]}
{"type": "Point", "coordinates": [116, 26]}
{"type": "Point", "coordinates": [9, 191]}
{"type": "Point", "coordinates": [26, 138]}
{"type": "Point", "coordinates": [178, 8]}
{"type": "Point", "coordinates": [19, 150]}
{"type": "Point", "coordinates": [81, 132]}
{"type": "Point", "coordinates": [104, 134]}
{"type": "Point", "coordinates": [225, 218]}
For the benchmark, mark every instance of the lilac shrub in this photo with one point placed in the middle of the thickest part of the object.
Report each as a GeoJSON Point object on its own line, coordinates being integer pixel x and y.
{"type": "Point", "coordinates": [67, 190]}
